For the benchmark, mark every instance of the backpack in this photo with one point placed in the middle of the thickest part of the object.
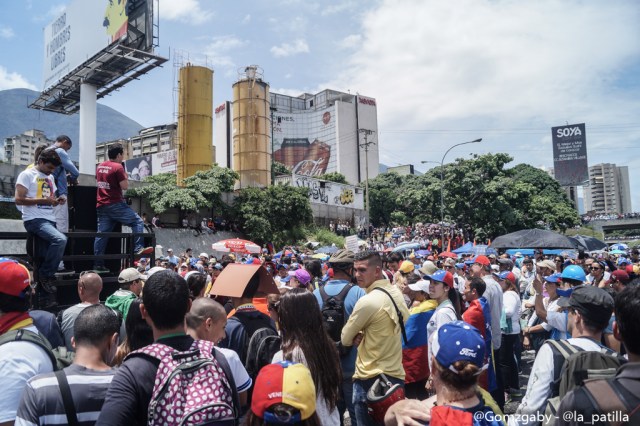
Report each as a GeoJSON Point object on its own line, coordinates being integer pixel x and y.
{"type": "Point", "coordinates": [60, 356]}
{"type": "Point", "coordinates": [194, 387]}
{"type": "Point", "coordinates": [262, 343]}
{"type": "Point", "coordinates": [334, 316]}
{"type": "Point", "coordinates": [574, 365]}
{"type": "Point", "coordinates": [610, 397]}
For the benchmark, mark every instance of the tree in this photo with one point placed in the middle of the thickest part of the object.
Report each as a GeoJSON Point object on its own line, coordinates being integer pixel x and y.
{"type": "Point", "coordinates": [334, 177]}
{"type": "Point", "coordinates": [280, 169]}
{"type": "Point", "coordinates": [275, 214]}
{"type": "Point", "coordinates": [203, 189]}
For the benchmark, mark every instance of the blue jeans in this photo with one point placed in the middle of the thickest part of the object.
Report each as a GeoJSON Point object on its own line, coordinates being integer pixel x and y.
{"type": "Point", "coordinates": [360, 389]}
{"type": "Point", "coordinates": [53, 251]}
{"type": "Point", "coordinates": [108, 217]}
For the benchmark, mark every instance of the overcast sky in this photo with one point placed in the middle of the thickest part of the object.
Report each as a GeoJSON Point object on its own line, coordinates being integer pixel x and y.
{"type": "Point", "coordinates": [442, 72]}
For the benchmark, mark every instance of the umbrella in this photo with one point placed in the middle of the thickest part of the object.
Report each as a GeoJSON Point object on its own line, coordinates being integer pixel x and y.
{"type": "Point", "coordinates": [423, 252]}
{"type": "Point", "coordinates": [448, 254]}
{"type": "Point", "coordinates": [587, 243]}
{"type": "Point", "coordinates": [482, 249]}
{"type": "Point", "coordinates": [327, 249]}
{"type": "Point", "coordinates": [618, 252]}
{"type": "Point", "coordinates": [321, 256]}
{"type": "Point", "coordinates": [236, 245]}
{"type": "Point", "coordinates": [407, 247]}
{"type": "Point", "coordinates": [534, 238]}
{"type": "Point", "coordinates": [464, 249]}
{"type": "Point", "coordinates": [619, 246]}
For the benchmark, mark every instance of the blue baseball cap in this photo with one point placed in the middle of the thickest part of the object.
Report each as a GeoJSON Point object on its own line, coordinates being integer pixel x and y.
{"type": "Point", "coordinates": [441, 276]}
{"type": "Point", "coordinates": [282, 265]}
{"type": "Point", "coordinates": [458, 341]}
{"type": "Point", "coordinates": [623, 261]}
{"type": "Point", "coordinates": [459, 265]}
{"type": "Point", "coordinates": [554, 278]}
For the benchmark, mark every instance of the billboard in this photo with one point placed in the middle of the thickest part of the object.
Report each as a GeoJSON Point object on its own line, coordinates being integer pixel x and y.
{"type": "Point", "coordinates": [330, 193]}
{"type": "Point", "coordinates": [305, 141]}
{"type": "Point", "coordinates": [82, 30]}
{"type": "Point", "coordinates": [570, 154]}
{"type": "Point", "coordinates": [162, 162]}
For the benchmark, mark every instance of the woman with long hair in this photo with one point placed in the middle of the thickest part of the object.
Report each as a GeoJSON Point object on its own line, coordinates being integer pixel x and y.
{"type": "Point", "coordinates": [305, 340]}
{"type": "Point", "coordinates": [139, 333]}
{"type": "Point", "coordinates": [510, 326]}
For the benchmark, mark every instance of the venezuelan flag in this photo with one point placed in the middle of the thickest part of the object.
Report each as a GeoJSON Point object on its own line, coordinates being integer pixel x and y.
{"type": "Point", "coordinates": [415, 353]}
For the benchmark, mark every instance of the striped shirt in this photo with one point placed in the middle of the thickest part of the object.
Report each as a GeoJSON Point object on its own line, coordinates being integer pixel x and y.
{"type": "Point", "coordinates": [42, 404]}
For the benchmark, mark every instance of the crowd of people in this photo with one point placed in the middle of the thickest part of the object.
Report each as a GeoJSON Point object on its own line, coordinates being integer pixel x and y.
{"type": "Point", "coordinates": [375, 336]}
{"type": "Point", "coordinates": [372, 337]}
{"type": "Point", "coordinates": [612, 216]}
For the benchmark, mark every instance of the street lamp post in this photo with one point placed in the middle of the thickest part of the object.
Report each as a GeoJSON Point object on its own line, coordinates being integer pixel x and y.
{"type": "Point", "coordinates": [442, 186]}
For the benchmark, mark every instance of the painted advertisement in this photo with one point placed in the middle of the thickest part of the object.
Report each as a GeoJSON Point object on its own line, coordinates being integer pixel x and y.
{"type": "Point", "coordinates": [305, 142]}
{"type": "Point", "coordinates": [162, 162]}
{"type": "Point", "coordinates": [330, 193]}
{"type": "Point", "coordinates": [570, 164]}
{"type": "Point", "coordinates": [79, 32]}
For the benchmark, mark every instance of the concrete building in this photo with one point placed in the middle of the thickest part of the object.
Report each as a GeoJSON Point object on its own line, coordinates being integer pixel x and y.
{"type": "Point", "coordinates": [608, 190]}
{"type": "Point", "coordinates": [148, 141]}
{"type": "Point", "coordinates": [20, 149]}
{"type": "Point", "coordinates": [313, 134]}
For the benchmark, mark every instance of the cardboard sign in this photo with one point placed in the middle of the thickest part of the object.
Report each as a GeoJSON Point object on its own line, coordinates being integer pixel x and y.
{"type": "Point", "coordinates": [235, 277]}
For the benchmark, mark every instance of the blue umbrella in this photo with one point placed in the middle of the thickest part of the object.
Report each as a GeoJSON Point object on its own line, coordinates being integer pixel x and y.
{"type": "Point", "coordinates": [619, 246]}
{"type": "Point", "coordinates": [482, 249]}
{"type": "Point", "coordinates": [464, 249]}
{"type": "Point", "coordinates": [407, 247]}
{"type": "Point", "coordinates": [423, 252]}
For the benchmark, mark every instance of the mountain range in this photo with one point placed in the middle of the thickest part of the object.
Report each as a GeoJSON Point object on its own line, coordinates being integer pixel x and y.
{"type": "Point", "coordinates": [17, 118]}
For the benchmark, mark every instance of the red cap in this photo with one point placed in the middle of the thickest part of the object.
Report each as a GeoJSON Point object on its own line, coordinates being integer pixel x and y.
{"type": "Point", "coordinates": [482, 260]}
{"type": "Point", "coordinates": [14, 278]}
{"type": "Point", "coordinates": [629, 269]}
{"type": "Point", "coordinates": [620, 276]}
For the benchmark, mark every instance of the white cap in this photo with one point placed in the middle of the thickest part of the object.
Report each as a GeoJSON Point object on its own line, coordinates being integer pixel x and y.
{"type": "Point", "coordinates": [204, 255]}
{"type": "Point", "coordinates": [422, 285]}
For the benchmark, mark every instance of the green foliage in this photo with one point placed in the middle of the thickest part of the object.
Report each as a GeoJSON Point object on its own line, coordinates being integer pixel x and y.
{"type": "Point", "coordinates": [275, 214]}
{"type": "Point", "coordinates": [203, 189]}
{"type": "Point", "coordinates": [334, 177]}
{"type": "Point", "coordinates": [479, 194]}
{"type": "Point", "coordinates": [280, 169]}
{"type": "Point", "coordinates": [324, 236]}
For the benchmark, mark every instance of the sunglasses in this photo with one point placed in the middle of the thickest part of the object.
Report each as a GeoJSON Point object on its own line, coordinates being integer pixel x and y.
{"type": "Point", "coordinates": [595, 268]}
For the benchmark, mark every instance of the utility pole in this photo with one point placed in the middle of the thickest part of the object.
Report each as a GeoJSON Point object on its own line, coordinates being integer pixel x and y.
{"type": "Point", "coordinates": [273, 173]}
{"type": "Point", "coordinates": [366, 145]}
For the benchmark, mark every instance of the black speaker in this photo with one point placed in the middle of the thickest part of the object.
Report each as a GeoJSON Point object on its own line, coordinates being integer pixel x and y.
{"type": "Point", "coordinates": [82, 208]}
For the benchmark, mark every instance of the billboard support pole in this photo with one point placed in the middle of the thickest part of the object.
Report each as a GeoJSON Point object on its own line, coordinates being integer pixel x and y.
{"type": "Point", "coordinates": [88, 118]}
{"type": "Point", "coordinates": [365, 145]}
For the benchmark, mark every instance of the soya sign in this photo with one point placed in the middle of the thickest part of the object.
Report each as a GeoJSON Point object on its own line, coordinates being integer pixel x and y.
{"type": "Point", "coordinates": [570, 154]}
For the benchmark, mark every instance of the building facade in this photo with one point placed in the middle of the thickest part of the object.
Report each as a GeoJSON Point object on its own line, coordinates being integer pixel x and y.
{"type": "Point", "coordinates": [313, 134]}
{"type": "Point", "coordinates": [608, 190]}
{"type": "Point", "coordinates": [148, 141]}
{"type": "Point", "coordinates": [20, 149]}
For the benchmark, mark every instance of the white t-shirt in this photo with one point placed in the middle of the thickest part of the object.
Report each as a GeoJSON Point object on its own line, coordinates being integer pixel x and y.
{"type": "Point", "coordinates": [444, 314]}
{"type": "Point", "coordinates": [539, 386]}
{"type": "Point", "coordinates": [38, 185]}
{"type": "Point", "coordinates": [19, 361]}
{"type": "Point", "coordinates": [512, 308]}
{"type": "Point", "coordinates": [240, 375]}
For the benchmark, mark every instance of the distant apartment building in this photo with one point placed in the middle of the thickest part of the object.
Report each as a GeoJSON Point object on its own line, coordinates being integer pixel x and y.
{"type": "Point", "coordinates": [608, 190]}
{"type": "Point", "coordinates": [20, 149]}
{"type": "Point", "coordinates": [148, 141]}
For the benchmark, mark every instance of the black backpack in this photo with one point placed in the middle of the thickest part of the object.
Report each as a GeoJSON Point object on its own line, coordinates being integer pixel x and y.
{"type": "Point", "coordinates": [261, 342]}
{"type": "Point", "coordinates": [334, 316]}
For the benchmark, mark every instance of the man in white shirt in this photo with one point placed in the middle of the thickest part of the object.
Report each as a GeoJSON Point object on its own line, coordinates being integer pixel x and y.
{"type": "Point", "coordinates": [589, 311]}
{"type": "Point", "coordinates": [35, 196]}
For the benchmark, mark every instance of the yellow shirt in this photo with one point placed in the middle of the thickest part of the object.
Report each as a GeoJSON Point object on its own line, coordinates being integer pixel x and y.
{"type": "Point", "coordinates": [381, 348]}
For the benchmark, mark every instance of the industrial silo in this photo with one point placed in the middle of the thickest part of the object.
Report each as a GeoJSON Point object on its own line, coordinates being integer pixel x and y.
{"type": "Point", "coordinates": [195, 120]}
{"type": "Point", "coordinates": [251, 129]}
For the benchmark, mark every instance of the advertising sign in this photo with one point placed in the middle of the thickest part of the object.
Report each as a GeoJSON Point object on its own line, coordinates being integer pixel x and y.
{"type": "Point", "coordinates": [305, 142]}
{"type": "Point", "coordinates": [330, 193]}
{"type": "Point", "coordinates": [570, 154]}
{"type": "Point", "coordinates": [82, 30]}
{"type": "Point", "coordinates": [351, 243]}
{"type": "Point", "coordinates": [162, 162]}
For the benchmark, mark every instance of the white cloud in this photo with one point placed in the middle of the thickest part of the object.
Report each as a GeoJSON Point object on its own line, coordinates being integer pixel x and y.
{"type": "Point", "coordinates": [187, 11]}
{"type": "Point", "coordinates": [290, 49]}
{"type": "Point", "coordinates": [220, 48]}
{"type": "Point", "coordinates": [463, 66]}
{"type": "Point", "coordinates": [246, 19]}
{"type": "Point", "coordinates": [52, 13]}
{"type": "Point", "coordinates": [341, 7]}
{"type": "Point", "coordinates": [13, 80]}
{"type": "Point", "coordinates": [351, 41]}
{"type": "Point", "coordinates": [6, 32]}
